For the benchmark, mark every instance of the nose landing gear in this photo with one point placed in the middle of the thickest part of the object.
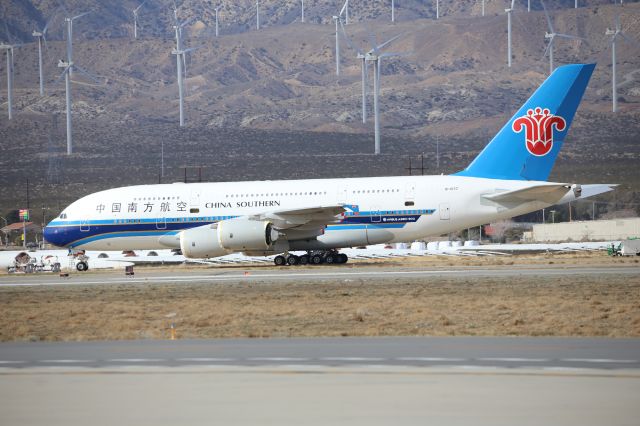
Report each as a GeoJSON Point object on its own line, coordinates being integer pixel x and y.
{"type": "Point", "coordinates": [326, 257]}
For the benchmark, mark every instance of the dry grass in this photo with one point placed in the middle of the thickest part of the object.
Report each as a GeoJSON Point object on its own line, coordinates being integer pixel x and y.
{"type": "Point", "coordinates": [533, 306]}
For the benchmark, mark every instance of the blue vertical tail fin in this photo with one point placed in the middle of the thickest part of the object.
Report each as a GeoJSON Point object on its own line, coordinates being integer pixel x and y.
{"type": "Point", "coordinates": [527, 146]}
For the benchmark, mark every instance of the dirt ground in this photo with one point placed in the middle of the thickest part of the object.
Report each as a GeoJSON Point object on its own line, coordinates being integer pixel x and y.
{"type": "Point", "coordinates": [589, 305]}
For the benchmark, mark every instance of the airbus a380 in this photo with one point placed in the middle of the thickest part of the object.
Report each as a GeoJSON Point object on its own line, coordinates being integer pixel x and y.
{"type": "Point", "coordinates": [320, 216]}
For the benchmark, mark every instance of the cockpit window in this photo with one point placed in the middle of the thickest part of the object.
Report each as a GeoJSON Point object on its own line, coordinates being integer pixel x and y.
{"type": "Point", "coordinates": [63, 215]}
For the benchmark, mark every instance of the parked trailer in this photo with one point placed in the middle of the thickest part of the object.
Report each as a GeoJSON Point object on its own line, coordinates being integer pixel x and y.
{"type": "Point", "coordinates": [630, 248]}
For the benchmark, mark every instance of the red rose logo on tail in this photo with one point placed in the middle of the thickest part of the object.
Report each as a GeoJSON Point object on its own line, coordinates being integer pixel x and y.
{"type": "Point", "coordinates": [538, 126]}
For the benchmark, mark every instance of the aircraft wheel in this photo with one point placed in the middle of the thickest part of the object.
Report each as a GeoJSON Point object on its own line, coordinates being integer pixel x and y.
{"type": "Point", "coordinates": [330, 259]}
{"type": "Point", "coordinates": [82, 266]}
{"type": "Point", "coordinates": [304, 259]}
{"type": "Point", "coordinates": [343, 258]}
{"type": "Point", "coordinates": [293, 260]}
{"type": "Point", "coordinates": [280, 260]}
{"type": "Point", "coordinates": [315, 259]}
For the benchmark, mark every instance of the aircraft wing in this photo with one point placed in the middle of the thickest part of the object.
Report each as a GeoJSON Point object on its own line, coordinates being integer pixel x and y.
{"type": "Point", "coordinates": [551, 194]}
{"type": "Point", "coordinates": [305, 218]}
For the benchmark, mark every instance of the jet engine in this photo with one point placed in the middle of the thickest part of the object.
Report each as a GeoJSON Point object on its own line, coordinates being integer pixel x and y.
{"type": "Point", "coordinates": [227, 236]}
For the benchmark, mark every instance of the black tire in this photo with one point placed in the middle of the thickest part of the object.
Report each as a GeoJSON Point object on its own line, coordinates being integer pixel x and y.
{"type": "Point", "coordinates": [304, 259]}
{"type": "Point", "coordinates": [280, 260]}
{"type": "Point", "coordinates": [315, 259]}
{"type": "Point", "coordinates": [82, 266]}
{"type": "Point", "coordinates": [330, 259]}
{"type": "Point", "coordinates": [343, 258]}
{"type": "Point", "coordinates": [293, 260]}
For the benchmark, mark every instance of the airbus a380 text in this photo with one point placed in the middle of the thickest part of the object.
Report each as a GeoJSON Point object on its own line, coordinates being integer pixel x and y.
{"type": "Point", "coordinates": [320, 216]}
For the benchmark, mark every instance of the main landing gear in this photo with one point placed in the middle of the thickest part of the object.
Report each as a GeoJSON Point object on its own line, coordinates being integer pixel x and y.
{"type": "Point", "coordinates": [329, 257]}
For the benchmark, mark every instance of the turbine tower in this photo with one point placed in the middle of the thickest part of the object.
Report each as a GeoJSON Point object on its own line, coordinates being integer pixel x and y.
{"type": "Point", "coordinates": [257, 14]}
{"type": "Point", "coordinates": [437, 9]}
{"type": "Point", "coordinates": [508, 12]}
{"type": "Point", "coordinates": [9, 49]}
{"type": "Point", "coordinates": [551, 35]}
{"type": "Point", "coordinates": [135, 19]}
{"type": "Point", "coordinates": [393, 11]}
{"type": "Point", "coordinates": [302, 11]}
{"type": "Point", "coordinates": [614, 34]}
{"type": "Point", "coordinates": [336, 19]}
{"type": "Point", "coordinates": [216, 9]}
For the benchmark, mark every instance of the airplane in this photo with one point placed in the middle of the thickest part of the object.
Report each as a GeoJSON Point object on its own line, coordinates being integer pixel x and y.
{"type": "Point", "coordinates": [321, 216]}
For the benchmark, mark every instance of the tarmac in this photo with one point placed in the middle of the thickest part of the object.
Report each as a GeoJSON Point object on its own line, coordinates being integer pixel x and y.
{"type": "Point", "coordinates": [406, 381]}
{"type": "Point", "coordinates": [278, 275]}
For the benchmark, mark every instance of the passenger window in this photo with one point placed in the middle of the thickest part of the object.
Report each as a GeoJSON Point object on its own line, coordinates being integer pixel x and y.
{"type": "Point", "coordinates": [408, 203]}
{"type": "Point", "coordinates": [194, 210]}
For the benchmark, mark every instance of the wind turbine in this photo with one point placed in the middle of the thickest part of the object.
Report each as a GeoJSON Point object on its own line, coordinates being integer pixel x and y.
{"type": "Point", "coordinates": [375, 55]}
{"type": "Point", "coordinates": [135, 19]}
{"type": "Point", "coordinates": [551, 35]}
{"type": "Point", "coordinates": [508, 12]}
{"type": "Point", "coordinates": [364, 68]}
{"type": "Point", "coordinates": [67, 69]}
{"type": "Point", "coordinates": [180, 53]}
{"type": "Point", "coordinates": [8, 47]}
{"type": "Point", "coordinates": [42, 37]}
{"type": "Point", "coordinates": [69, 22]}
{"type": "Point", "coordinates": [614, 33]}
{"type": "Point", "coordinates": [345, 11]}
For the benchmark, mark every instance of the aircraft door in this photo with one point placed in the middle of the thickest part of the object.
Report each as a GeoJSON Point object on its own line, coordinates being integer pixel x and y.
{"type": "Point", "coordinates": [410, 192]}
{"type": "Point", "coordinates": [194, 200]}
{"type": "Point", "coordinates": [84, 225]}
{"type": "Point", "coordinates": [161, 223]}
{"type": "Point", "coordinates": [445, 211]}
{"type": "Point", "coordinates": [343, 195]}
{"type": "Point", "coordinates": [376, 216]}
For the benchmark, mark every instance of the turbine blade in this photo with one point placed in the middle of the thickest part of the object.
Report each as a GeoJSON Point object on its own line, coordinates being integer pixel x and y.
{"type": "Point", "coordinates": [61, 76]}
{"type": "Point", "coordinates": [629, 40]}
{"type": "Point", "coordinates": [138, 8]}
{"type": "Point", "coordinates": [372, 40]}
{"type": "Point", "coordinates": [395, 54]}
{"type": "Point", "coordinates": [570, 36]}
{"type": "Point", "coordinates": [86, 73]}
{"type": "Point", "coordinates": [546, 50]}
{"type": "Point", "coordinates": [349, 42]}
{"type": "Point", "coordinates": [53, 15]}
{"type": "Point", "coordinates": [80, 16]}
{"type": "Point", "coordinates": [512, 4]}
{"type": "Point", "coordinates": [618, 28]}
{"type": "Point", "coordinates": [546, 14]}
{"type": "Point", "coordinates": [391, 40]}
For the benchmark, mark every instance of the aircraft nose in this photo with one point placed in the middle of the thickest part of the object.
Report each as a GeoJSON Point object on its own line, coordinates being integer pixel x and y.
{"type": "Point", "coordinates": [55, 235]}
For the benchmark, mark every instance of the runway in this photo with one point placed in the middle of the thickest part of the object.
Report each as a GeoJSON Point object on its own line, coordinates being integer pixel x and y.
{"type": "Point", "coordinates": [467, 352]}
{"type": "Point", "coordinates": [256, 274]}
{"type": "Point", "coordinates": [354, 381]}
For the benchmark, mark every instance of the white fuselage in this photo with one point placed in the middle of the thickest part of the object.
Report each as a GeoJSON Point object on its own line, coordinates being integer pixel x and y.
{"type": "Point", "coordinates": [379, 209]}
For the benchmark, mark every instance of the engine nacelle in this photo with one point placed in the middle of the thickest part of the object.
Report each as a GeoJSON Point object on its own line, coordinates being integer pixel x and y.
{"type": "Point", "coordinates": [201, 242]}
{"type": "Point", "coordinates": [246, 235]}
{"type": "Point", "coordinates": [227, 236]}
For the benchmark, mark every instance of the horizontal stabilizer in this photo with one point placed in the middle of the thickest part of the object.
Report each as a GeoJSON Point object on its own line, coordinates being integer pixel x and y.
{"type": "Point", "coordinates": [547, 193]}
